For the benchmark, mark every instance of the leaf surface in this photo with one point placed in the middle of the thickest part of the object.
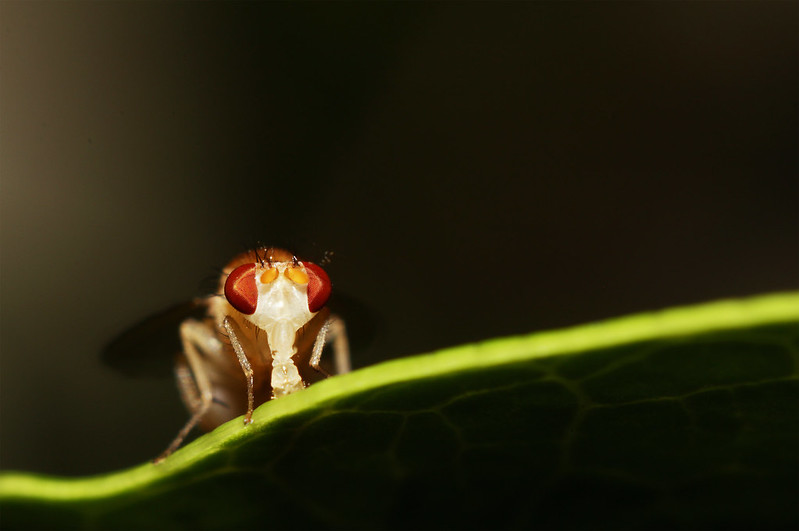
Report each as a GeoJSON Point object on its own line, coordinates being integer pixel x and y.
{"type": "Point", "coordinates": [685, 418]}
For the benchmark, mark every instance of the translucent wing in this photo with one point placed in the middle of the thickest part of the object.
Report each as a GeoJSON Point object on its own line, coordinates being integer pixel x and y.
{"type": "Point", "coordinates": [363, 326]}
{"type": "Point", "coordinates": [148, 348]}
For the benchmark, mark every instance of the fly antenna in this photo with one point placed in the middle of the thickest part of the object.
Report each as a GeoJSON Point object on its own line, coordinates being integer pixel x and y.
{"type": "Point", "coordinates": [258, 257]}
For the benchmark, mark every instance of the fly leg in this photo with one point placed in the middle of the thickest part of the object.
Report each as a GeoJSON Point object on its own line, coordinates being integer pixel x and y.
{"type": "Point", "coordinates": [333, 331]}
{"type": "Point", "coordinates": [245, 365]}
{"type": "Point", "coordinates": [192, 377]}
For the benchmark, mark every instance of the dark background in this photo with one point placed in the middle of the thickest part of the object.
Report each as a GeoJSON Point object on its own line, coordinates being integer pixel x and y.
{"type": "Point", "coordinates": [478, 169]}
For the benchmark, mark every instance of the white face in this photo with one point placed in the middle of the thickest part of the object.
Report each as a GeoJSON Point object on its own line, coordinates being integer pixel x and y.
{"type": "Point", "coordinates": [282, 297]}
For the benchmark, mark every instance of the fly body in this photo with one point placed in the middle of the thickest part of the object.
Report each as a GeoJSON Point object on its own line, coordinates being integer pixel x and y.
{"type": "Point", "coordinates": [262, 338]}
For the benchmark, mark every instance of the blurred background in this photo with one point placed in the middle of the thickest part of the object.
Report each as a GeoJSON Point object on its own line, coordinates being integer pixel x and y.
{"type": "Point", "coordinates": [477, 169]}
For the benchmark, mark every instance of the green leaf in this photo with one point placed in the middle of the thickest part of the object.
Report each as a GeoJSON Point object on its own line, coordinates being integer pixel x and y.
{"type": "Point", "coordinates": [686, 418]}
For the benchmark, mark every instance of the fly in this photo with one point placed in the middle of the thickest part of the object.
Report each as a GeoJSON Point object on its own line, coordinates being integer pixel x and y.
{"type": "Point", "coordinates": [262, 338]}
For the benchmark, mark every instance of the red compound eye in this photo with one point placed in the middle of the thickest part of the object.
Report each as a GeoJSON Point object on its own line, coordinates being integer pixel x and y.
{"type": "Point", "coordinates": [318, 286]}
{"type": "Point", "coordinates": [240, 289]}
